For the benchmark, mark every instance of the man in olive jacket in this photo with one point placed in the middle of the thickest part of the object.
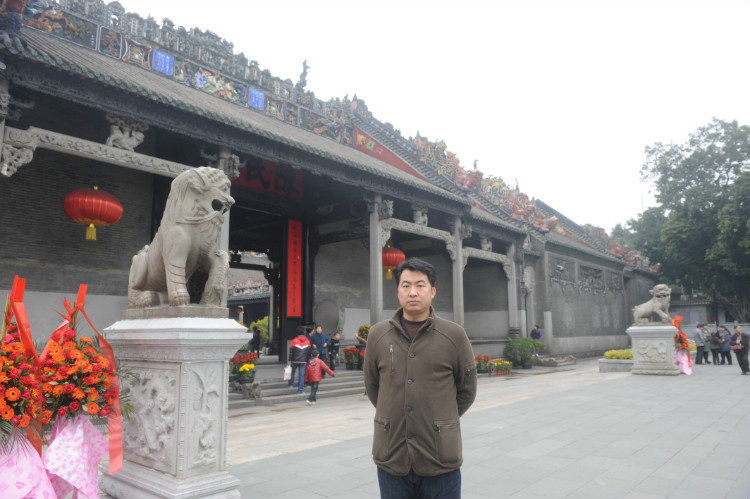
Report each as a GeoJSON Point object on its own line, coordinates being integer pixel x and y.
{"type": "Point", "coordinates": [420, 375]}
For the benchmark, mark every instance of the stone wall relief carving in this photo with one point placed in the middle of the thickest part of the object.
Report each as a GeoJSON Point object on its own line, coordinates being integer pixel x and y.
{"type": "Point", "coordinates": [591, 281]}
{"type": "Point", "coordinates": [225, 161]}
{"type": "Point", "coordinates": [149, 433]}
{"type": "Point", "coordinates": [614, 281]}
{"type": "Point", "coordinates": [562, 272]}
{"type": "Point", "coordinates": [125, 133]}
{"type": "Point", "coordinates": [652, 351]}
{"type": "Point", "coordinates": [14, 158]}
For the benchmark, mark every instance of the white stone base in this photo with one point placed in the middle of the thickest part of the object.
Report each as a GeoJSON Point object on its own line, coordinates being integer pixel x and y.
{"type": "Point", "coordinates": [615, 365]}
{"type": "Point", "coordinates": [653, 350]}
{"type": "Point", "coordinates": [144, 483]}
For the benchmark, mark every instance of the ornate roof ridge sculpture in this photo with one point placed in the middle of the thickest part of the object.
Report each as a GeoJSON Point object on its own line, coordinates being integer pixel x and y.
{"type": "Point", "coordinates": [205, 61]}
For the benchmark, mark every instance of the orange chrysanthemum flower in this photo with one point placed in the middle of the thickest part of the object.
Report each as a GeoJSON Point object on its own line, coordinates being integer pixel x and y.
{"type": "Point", "coordinates": [7, 413]}
{"type": "Point", "coordinates": [93, 395]}
{"type": "Point", "coordinates": [57, 391]}
{"type": "Point", "coordinates": [78, 394]}
{"type": "Point", "coordinates": [46, 417]}
{"type": "Point", "coordinates": [92, 408]}
{"type": "Point", "coordinates": [69, 345]}
{"type": "Point", "coordinates": [3, 377]}
{"type": "Point", "coordinates": [12, 394]}
{"type": "Point", "coordinates": [24, 422]}
{"type": "Point", "coordinates": [86, 340]}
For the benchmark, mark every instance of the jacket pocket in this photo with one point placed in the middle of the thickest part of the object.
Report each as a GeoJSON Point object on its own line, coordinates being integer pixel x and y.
{"type": "Point", "coordinates": [381, 441]}
{"type": "Point", "coordinates": [448, 441]}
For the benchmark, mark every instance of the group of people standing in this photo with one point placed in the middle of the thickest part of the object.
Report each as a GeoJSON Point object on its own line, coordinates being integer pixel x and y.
{"type": "Point", "coordinates": [722, 343]}
{"type": "Point", "coordinates": [306, 354]}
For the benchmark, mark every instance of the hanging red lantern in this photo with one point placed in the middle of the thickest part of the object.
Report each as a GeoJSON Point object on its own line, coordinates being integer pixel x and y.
{"type": "Point", "coordinates": [93, 208]}
{"type": "Point", "coordinates": [391, 258]}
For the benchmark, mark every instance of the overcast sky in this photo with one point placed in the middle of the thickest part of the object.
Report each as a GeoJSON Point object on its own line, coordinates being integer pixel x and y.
{"type": "Point", "coordinates": [559, 96]}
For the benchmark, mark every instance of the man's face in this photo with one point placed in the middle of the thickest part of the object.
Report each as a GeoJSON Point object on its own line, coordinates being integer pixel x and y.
{"type": "Point", "coordinates": [415, 295]}
{"type": "Point", "coordinates": [319, 330]}
{"type": "Point", "coordinates": [737, 329]}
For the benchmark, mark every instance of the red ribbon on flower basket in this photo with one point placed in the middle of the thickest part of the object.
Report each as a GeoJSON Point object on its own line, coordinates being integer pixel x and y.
{"type": "Point", "coordinates": [680, 340]}
{"type": "Point", "coordinates": [16, 309]}
{"type": "Point", "coordinates": [114, 418]}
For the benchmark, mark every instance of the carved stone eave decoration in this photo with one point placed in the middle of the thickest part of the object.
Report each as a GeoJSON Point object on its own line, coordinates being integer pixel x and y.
{"type": "Point", "coordinates": [420, 213]}
{"type": "Point", "coordinates": [489, 256]}
{"type": "Point", "coordinates": [386, 209]}
{"type": "Point", "coordinates": [389, 224]}
{"type": "Point", "coordinates": [34, 138]}
{"type": "Point", "coordinates": [125, 133]}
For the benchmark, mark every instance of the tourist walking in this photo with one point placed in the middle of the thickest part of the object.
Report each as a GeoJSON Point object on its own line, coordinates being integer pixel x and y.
{"type": "Point", "coordinates": [740, 344]}
{"type": "Point", "coordinates": [314, 375]}
{"type": "Point", "coordinates": [700, 344]}
{"type": "Point", "coordinates": [299, 356]}
{"type": "Point", "coordinates": [421, 377]}
{"type": "Point", "coordinates": [714, 343]}
{"type": "Point", "coordinates": [726, 348]}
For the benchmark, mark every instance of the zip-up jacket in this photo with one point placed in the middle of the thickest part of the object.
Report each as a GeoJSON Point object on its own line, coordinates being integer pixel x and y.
{"type": "Point", "coordinates": [419, 389]}
{"type": "Point", "coordinates": [300, 350]}
{"type": "Point", "coordinates": [314, 371]}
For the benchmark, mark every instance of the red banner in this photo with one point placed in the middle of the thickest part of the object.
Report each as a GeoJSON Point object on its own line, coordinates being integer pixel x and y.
{"type": "Point", "coordinates": [294, 269]}
{"type": "Point", "coordinates": [371, 147]}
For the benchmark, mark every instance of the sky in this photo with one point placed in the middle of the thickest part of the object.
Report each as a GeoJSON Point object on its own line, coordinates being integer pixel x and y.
{"type": "Point", "coordinates": [559, 97]}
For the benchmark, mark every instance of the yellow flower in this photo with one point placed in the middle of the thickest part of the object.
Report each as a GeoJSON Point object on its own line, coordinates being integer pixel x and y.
{"type": "Point", "coordinates": [247, 367]}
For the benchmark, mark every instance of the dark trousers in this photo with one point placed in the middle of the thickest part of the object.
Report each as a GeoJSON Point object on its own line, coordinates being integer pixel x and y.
{"type": "Point", "coordinates": [705, 355]}
{"type": "Point", "coordinates": [699, 354]}
{"type": "Point", "coordinates": [332, 361]}
{"type": "Point", "coordinates": [726, 355]}
{"type": "Point", "coordinates": [313, 391]}
{"type": "Point", "coordinates": [715, 355]}
{"type": "Point", "coordinates": [742, 360]}
{"type": "Point", "coordinates": [413, 486]}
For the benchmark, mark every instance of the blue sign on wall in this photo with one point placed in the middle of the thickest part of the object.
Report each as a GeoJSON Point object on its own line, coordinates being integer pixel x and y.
{"type": "Point", "coordinates": [256, 99]}
{"type": "Point", "coordinates": [163, 62]}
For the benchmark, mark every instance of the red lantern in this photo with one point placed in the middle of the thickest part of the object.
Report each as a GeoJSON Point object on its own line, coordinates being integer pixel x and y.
{"type": "Point", "coordinates": [391, 258]}
{"type": "Point", "coordinates": [92, 207]}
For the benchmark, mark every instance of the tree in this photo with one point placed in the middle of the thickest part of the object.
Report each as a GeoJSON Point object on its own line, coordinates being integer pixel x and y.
{"type": "Point", "coordinates": [262, 325]}
{"type": "Point", "coordinates": [703, 188]}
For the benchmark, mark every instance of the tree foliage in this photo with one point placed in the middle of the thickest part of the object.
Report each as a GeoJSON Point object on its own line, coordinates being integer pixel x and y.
{"type": "Point", "coordinates": [700, 232]}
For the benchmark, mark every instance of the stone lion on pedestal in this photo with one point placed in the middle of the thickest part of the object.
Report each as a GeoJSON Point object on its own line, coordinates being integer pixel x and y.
{"type": "Point", "coordinates": [658, 304]}
{"type": "Point", "coordinates": [185, 243]}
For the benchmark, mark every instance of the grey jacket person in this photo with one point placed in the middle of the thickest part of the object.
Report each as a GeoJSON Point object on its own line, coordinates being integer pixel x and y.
{"type": "Point", "coordinates": [700, 340]}
{"type": "Point", "coordinates": [419, 389]}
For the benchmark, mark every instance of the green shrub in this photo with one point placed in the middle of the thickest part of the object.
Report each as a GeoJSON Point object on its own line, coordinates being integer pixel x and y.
{"type": "Point", "coordinates": [262, 325]}
{"type": "Point", "coordinates": [626, 354]}
{"type": "Point", "coordinates": [520, 350]}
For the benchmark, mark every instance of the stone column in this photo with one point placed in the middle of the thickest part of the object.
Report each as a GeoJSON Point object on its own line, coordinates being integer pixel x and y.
{"type": "Point", "coordinates": [458, 271]}
{"type": "Point", "coordinates": [376, 262]}
{"type": "Point", "coordinates": [175, 439]}
{"type": "Point", "coordinates": [514, 330]}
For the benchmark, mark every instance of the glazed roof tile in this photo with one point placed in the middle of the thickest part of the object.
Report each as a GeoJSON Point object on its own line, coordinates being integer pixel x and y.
{"type": "Point", "coordinates": [56, 52]}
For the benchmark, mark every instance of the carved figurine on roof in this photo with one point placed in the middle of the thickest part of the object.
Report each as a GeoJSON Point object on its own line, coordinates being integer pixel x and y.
{"type": "Point", "coordinates": [468, 181]}
{"type": "Point", "coordinates": [10, 23]}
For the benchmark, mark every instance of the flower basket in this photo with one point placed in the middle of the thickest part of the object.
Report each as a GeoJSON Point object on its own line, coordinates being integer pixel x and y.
{"type": "Point", "coordinates": [247, 378]}
{"type": "Point", "coordinates": [483, 363]}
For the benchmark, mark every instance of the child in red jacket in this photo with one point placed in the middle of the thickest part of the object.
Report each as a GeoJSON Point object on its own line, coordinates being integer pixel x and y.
{"type": "Point", "coordinates": [314, 373]}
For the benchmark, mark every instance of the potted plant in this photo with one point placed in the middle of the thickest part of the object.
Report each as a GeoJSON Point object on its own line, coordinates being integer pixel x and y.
{"type": "Point", "coordinates": [247, 373]}
{"type": "Point", "coordinates": [352, 358]}
{"type": "Point", "coordinates": [501, 367]}
{"type": "Point", "coordinates": [483, 363]}
{"type": "Point", "coordinates": [521, 350]}
{"type": "Point", "coordinates": [238, 361]}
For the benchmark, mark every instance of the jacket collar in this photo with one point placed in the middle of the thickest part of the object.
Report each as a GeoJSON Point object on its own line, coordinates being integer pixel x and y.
{"type": "Point", "coordinates": [396, 319]}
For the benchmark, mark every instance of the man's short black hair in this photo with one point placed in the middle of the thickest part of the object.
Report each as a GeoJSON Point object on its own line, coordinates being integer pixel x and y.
{"type": "Point", "coordinates": [417, 265]}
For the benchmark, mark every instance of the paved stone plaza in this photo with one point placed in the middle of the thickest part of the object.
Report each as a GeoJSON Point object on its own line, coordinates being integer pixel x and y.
{"type": "Point", "coordinates": [573, 433]}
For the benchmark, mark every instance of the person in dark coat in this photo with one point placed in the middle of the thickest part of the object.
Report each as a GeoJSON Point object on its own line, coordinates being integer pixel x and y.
{"type": "Point", "coordinates": [740, 344]}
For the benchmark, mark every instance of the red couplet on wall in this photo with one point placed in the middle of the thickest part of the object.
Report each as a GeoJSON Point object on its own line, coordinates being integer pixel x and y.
{"type": "Point", "coordinates": [294, 269]}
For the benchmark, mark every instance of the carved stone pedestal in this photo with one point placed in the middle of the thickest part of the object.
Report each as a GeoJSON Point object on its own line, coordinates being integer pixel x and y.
{"type": "Point", "coordinates": [175, 440]}
{"type": "Point", "coordinates": [653, 350]}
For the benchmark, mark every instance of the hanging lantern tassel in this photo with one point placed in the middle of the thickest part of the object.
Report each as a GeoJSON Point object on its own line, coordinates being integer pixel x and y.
{"type": "Point", "coordinates": [391, 258]}
{"type": "Point", "coordinates": [93, 208]}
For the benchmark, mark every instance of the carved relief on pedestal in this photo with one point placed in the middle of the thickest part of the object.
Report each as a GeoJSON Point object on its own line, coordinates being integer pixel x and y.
{"type": "Point", "coordinates": [149, 435]}
{"type": "Point", "coordinates": [652, 351]}
{"type": "Point", "coordinates": [203, 418]}
{"type": "Point", "coordinates": [125, 133]}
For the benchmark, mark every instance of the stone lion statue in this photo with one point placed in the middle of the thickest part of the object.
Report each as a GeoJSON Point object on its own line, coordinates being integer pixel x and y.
{"type": "Point", "coordinates": [185, 242]}
{"type": "Point", "coordinates": [658, 304]}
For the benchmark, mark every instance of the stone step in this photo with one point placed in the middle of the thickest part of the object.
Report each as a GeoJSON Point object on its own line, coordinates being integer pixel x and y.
{"type": "Point", "coordinates": [276, 391]}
